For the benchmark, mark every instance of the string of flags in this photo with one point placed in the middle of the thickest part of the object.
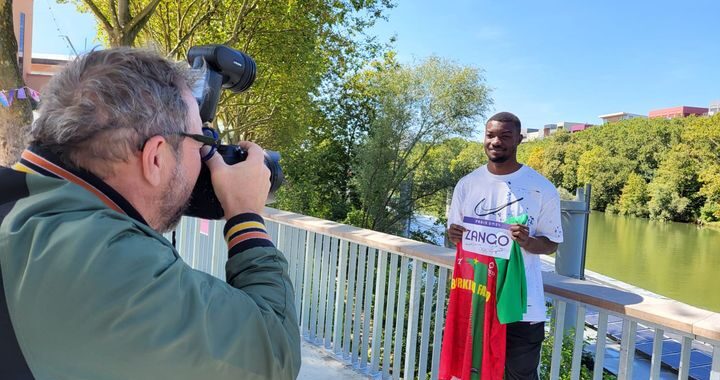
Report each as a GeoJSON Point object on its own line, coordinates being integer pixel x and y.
{"type": "Point", "coordinates": [7, 97]}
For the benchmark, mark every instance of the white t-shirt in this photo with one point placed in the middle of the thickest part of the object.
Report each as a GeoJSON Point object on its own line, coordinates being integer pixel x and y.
{"type": "Point", "coordinates": [482, 194]}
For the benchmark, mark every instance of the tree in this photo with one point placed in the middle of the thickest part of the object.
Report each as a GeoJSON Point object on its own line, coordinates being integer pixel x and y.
{"type": "Point", "coordinates": [445, 164]}
{"type": "Point", "coordinates": [702, 136]}
{"type": "Point", "coordinates": [634, 197]}
{"type": "Point", "coordinates": [606, 173]}
{"type": "Point", "coordinates": [418, 107]}
{"type": "Point", "coordinates": [304, 53]}
{"type": "Point", "coordinates": [121, 20]}
{"type": "Point", "coordinates": [664, 169]}
{"type": "Point", "coordinates": [14, 120]}
{"type": "Point", "coordinates": [674, 189]}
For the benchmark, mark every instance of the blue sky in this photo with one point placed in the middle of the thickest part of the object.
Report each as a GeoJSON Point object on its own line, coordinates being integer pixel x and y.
{"type": "Point", "coordinates": [547, 61]}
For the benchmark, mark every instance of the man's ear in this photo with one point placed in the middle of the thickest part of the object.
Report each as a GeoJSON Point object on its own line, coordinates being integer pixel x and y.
{"type": "Point", "coordinates": [152, 159]}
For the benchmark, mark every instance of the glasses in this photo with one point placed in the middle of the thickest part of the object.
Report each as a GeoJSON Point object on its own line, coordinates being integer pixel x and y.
{"type": "Point", "coordinates": [210, 140]}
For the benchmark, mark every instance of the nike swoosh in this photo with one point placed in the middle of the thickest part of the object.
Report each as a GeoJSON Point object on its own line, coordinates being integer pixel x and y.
{"type": "Point", "coordinates": [494, 210]}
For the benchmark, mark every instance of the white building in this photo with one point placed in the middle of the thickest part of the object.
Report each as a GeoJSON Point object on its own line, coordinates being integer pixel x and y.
{"type": "Point", "coordinates": [714, 108]}
{"type": "Point", "coordinates": [617, 116]}
{"type": "Point", "coordinates": [525, 132]}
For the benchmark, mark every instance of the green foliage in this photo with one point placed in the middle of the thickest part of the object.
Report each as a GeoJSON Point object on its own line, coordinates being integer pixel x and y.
{"type": "Point", "coordinates": [297, 45]}
{"type": "Point", "coordinates": [415, 109]}
{"type": "Point", "coordinates": [634, 197]}
{"type": "Point", "coordinates": [657, 168]}
{"type": "Point", "coordinates": [674, 189]}
{"type": "Point", "coordinates": [605, 172]}
{"type": "Point", "coordinates": [444, 165]}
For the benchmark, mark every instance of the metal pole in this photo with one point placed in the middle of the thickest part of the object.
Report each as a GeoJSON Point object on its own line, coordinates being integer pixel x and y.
{"type": "Point", "coordinates": [583, 251]}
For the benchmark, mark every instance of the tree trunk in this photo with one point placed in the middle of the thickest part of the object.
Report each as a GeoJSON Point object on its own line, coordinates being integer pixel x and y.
{"type": "Point", "coordinates": [14, 120]}
{"type": "Point", "coordinates": [120, 25]}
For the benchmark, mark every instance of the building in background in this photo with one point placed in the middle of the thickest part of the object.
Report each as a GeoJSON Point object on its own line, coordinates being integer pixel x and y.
{"type": "Point", "coordinates": [681, 111]}
{"type": "Point", "coordinates": [36, 69]}
{"type": "Point", "coordinates": [617, 116]}
{"type": "Point", "coordinates": [526, 132]}
{"type": "Point", "coordinates": [579, 127]}
{"type": "Point", "coordinates": [568, 126]}
{"type": "Point", "coordinates": [548, 129]}
{"type": "Point", "coordinates": [714, 108]}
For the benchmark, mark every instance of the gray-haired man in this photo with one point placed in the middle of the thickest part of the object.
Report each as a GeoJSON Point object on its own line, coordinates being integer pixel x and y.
{"type": "Point", "coordinates": [91, 289]}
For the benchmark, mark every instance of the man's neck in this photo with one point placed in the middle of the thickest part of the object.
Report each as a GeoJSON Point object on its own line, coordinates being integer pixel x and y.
{"type": "Point", "coordinates": [503, 168]}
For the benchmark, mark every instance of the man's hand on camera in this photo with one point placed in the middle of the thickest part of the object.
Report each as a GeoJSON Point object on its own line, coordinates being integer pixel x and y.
{"type": "Point", "coordinates": [242, 187]}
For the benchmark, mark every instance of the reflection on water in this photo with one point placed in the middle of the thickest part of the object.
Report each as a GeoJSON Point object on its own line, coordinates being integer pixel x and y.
{"type": "Point", "coordinates": [676, 260]}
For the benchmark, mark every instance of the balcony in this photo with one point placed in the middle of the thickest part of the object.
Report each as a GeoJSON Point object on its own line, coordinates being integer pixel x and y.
{"type": "Point", "coordinates": [373, 305]}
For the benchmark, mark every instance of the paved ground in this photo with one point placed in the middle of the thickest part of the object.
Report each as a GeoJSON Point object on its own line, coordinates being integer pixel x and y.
{"type": "Point", "coordinates": [317, 364]}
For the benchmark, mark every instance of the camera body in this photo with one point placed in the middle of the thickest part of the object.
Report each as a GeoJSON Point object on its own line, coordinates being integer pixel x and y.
{"type": "Point", "coordinates": [223, 68]}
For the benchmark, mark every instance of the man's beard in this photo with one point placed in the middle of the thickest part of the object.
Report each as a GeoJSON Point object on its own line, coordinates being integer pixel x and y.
{"type": "Point", "coordinates": [498, 160]}
{"type": "Point", "coordinates": [175, 200]}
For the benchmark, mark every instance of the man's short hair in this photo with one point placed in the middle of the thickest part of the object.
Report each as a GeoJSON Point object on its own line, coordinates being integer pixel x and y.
{"type": "Point", "coordinates": [506, 117]}
{"type": "Point", "coordinates": [102, 107]}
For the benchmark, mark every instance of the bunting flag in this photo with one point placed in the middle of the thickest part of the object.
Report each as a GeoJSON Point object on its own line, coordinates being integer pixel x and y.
{"type": "Point", "coordinates": [34, 94]}
{"type": "Point", "coordinates": [7, 97]}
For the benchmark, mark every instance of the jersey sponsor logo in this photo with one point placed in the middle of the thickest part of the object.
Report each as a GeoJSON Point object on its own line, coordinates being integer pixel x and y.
{"type": "Point", "coordinates": [487, 237]}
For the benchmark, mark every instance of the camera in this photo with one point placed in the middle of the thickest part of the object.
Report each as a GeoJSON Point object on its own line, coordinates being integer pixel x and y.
{"type": "Point", "coordinates": [223, 68]}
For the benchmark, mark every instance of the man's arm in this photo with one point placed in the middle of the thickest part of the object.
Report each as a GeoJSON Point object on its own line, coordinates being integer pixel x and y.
{"type": "Point", "coordinates": [256, 267]}
{"type": "Point", "coordinates": [455, 230]}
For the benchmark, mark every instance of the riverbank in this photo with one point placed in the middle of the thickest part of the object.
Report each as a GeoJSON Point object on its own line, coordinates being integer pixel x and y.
{"type": "Point", "coordinates": [713, 225]}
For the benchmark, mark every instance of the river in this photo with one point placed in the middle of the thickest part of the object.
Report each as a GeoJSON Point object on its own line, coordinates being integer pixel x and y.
{"type": "Point", "coordinates": [676, 260]}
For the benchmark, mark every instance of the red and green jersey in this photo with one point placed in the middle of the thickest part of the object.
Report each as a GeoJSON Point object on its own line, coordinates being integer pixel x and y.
{"type": "Point", "coordinates": [486, 293]}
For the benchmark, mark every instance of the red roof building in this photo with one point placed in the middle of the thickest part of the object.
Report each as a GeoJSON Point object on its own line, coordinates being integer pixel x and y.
{"type": "Point", "coordinates": [682, 111]}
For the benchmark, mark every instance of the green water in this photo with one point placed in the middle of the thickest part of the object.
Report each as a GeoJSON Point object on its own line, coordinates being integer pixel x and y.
{"type": "Point", "coordinates": [676, 260]}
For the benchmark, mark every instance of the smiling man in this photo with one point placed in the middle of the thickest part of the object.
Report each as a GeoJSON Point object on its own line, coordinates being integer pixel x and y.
{"type": "Point", "coordinates": [516, 201]}
{"type": "Point", "coordinates": [90, 289]}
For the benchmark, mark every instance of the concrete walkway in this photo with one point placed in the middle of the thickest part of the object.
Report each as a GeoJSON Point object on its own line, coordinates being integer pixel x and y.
{"type": "Point", "coordinates": [318, 364]}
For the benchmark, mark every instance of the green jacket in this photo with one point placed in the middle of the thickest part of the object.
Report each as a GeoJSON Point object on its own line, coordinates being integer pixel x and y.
{"type": "Point", "coordinates": [93, 292]}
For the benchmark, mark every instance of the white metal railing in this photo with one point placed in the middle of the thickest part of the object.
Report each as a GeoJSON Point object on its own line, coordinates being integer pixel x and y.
{"type": "Point", "coordinates": [378, 301]}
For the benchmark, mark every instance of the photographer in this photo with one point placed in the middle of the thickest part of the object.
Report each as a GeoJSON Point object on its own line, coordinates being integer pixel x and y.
{"type": "Point", "coordinates": [90, 287]}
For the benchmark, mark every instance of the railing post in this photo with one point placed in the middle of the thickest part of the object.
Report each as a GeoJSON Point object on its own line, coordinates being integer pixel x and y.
{"type": "Point", "coordinates": [340, 299]}
{"type": "Point", "coordinates": [579, 342]}
{"type": "Point", "coordinates": [600, 345]}
{"type": "Point", "coordinates": [627, 349]}
{"type": "Point", "coordinates": [439, 321]}
{"type": "Point", "coordinates": [715, 366]}
{"type": "Point", "coordinates": [390, 315]}
{"type": "Point", "coordinates": [378, 312]}
{"type": "Point", "coordinates": [656, 359]}
{"type": "Point", "coordinates": [558, 335]}
{"type": "Point", "coordinates": [332, 284]}
{"type": "Point", "coordinates": [413, 314]}
{"type": "Point", "coordinates": [400, 322]}
{"type": "Point", "coordinates": [684, 369]}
